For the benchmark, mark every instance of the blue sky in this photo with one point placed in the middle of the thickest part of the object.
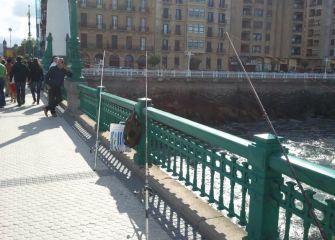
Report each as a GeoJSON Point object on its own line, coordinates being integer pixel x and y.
{"type": "Point", "coordinates": [13, 14]}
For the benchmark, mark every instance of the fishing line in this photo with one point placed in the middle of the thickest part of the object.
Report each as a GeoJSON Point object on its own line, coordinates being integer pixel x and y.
{"type": "Point", "coordinates": [99, 109]}
{"type": "Point", "coordinates": [266, 116]}
{"type": "Point", "coordinates": [146, 184]}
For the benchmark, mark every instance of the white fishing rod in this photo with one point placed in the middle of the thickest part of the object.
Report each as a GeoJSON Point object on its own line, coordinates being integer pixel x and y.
{"type": "Point", "coordinates": [267, 118]}
{"type": "Point", "coordinates": [146, 183]}
{"type": "Point", "coordinates": [102, 62]}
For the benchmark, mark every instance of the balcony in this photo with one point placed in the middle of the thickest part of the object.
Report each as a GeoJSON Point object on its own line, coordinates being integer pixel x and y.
{"type": "Point", "coordinates": [122, 7]}
{"type": "Point", "coordinates": [143, 29]}
{"type": "Point", "coordinates": [122, 28]}
{"type": "Point", "coordinates": [144, 9]}
{"type": "Point", "coordinates": [92, 6]}
{"type": "Point", "coordinates": [95, 26]}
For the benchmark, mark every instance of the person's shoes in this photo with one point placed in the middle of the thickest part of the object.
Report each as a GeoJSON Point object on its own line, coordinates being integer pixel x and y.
{"type": "Point", "coordinates": [34, 102]}
{"type": "Point", "coordinates": [23, 103]}
{"type": "Point", "coordinates": [19, 105]}
{"type": "Point", "coordinates": [45, 110]}
{"type": "Point", "coordinates": [38, 102]}
{"type": "Point", "coordinates": [54, 114]}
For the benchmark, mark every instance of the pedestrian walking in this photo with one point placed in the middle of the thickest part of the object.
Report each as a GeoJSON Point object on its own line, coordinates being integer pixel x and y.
{"type": "Point", "coordinates": [3, 73]}
{"type": "Point", "coordinates": [20, 72]}
{"type": "Point", "coordinates": [55, 80]}
{"type": "Point", "coordinates": [10, 83]}
{"type": "Point", "coordinates": [36, 79]}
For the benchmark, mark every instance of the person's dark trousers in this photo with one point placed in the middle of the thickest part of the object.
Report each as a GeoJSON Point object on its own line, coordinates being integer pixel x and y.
{"type": "Point", "coordinates": [20, 92]}
{"type": "Point", "coordinates": [54, 96]}
{"type": "Point", "coordinates": [2, 94]}
{"type": "Point", "coordinates": [36, 90]}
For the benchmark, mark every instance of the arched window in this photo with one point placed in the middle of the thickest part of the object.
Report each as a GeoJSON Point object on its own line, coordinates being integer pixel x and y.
{"type": "Point", "coordinates": [114, 61]}
{"type": "Point", "coordinates": [129, 61]}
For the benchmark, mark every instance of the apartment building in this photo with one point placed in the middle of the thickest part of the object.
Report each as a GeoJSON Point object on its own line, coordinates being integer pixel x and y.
{"type": "Point", "coordinates": [269, 35]}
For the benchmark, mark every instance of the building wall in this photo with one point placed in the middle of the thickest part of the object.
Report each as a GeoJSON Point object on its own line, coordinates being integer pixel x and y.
{"type": "Point", "coordinates": [269, 35]}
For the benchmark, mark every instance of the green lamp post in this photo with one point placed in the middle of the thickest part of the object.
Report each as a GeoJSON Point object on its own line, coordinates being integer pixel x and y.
{"type": "Point", "coordinates": [74, 56]}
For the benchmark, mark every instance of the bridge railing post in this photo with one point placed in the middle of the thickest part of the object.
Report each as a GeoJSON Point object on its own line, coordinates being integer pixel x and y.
{"type": "Point", "coordinates": [263, 209]}
{"type": "Point", "coordinates": [139, 157]}
{"type": "Point", "coordinates": [99, 90]}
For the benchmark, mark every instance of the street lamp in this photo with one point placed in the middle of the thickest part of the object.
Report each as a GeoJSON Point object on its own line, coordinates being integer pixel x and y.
{"type": "Point", "coordinates": [10, 37]}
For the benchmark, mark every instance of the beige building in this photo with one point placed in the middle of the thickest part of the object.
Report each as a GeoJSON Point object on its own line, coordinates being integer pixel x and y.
{"type": "Point", "coordinates": [269, 35]}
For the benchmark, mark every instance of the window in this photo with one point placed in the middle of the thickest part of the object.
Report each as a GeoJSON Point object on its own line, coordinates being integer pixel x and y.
{"type": "Point", "coordinates": [143, 24]}
{"type": "Point", "coordinates": [258, 12]}
{"type": "Point", "coordinates": [219, 63]}
{"type": "Point", "coordinates": [99, 22]}
{"type": "Point", "coordinates": [164, 61]}
{"type": "Point", "coordinates": [177, 45]}
{"type": "Point", "coordinates": [165, 13]}
{"type": "Point", "coordinates": [165, 29]}
{"type": "Point", "coordinates": [178, 14]}
{"type": "Point", "coordinates": [99, 3]}
{"type": "Point", "coordinates": [165, 44]}
{"type": "Point", "coordinates": [221, 18]}
{"type": "Point", "coordinates": [129, 23]}
{"type": "Point", "coordinates": [256, 49]}
{"type": "Point", "coordinates": [83, 19]}
{"type": "Point", "coordinates": [83, 3]}
{"type": "Point", "coordinates": [208, 63]}
{"type": "Point", "coordinates": [129, 4]}
{"type": "Point", "coordinates": [257, 36]}
{"type": "Point", "coordinates": [267, 49]}
{"type": "Point", "coordinates": [245, 36]}
{"type": "Point", "coordinates": [195, 44]}
{"type": "Point", "coordinates": [221, 32]}
{"type": "Point", "coordinates": [246, 24]}
{"type": "Point", "coordinates": [98, 41]}
{"type": "Point", "coordinates": [114, 42]}
{"type": "Point", "coordinates": [142, 43]}
{"type": "Point", "coordinates": [196, 28]}
{"type": "Point", "coordinates": [176, 61]}
{"type": "Point", "coordinates": [209, 32]}
{"type": "Point", "coordinates": [177, 30]}
{"type": "Point", "coordinates": [210, 3]}
{"type": "Point", "coordinates": [129, 42]}
{"type": "Point", "coordinates": [222, 4]}
{"type": "Point", "coordinates": [210, 17]}
{"type": "Point", "coordinates": [258, 24]}
{"type": "Point", "coordinates": [196, 12]}
{"type": "Point", "coordinates": [114, 4]}
{"type": "Point", "coordinates": [209, 47]}
{"type": "Point", "coordinates": [83, 40]}
{"type": "Point", "coordinates": [114, 22]}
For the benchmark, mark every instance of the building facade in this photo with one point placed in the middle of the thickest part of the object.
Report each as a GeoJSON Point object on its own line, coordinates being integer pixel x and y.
{"type": "Point", "coordinates": [269, 35]}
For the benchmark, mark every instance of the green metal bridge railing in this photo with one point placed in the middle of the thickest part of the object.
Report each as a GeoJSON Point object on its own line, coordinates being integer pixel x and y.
{"type": "Point", "coordinates": [249, 180]}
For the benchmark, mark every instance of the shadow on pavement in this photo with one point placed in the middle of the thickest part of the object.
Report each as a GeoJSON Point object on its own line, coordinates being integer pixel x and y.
{"type": "Point", "coordinates": [173, 224]}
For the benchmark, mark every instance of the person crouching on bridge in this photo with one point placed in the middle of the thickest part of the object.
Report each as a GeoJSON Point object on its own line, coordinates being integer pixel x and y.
{"type": "Point", "coordinates": [55, 80]}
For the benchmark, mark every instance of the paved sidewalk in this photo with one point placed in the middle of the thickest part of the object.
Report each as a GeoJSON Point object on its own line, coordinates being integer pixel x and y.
{"type": "Point", "coordinates": [48, 189]}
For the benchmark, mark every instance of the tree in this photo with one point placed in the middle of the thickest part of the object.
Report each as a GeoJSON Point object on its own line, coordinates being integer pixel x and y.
{"type": "Point", "coordinates": [154, 60]}
{"type": "Point", "coordinates": [194, 63]}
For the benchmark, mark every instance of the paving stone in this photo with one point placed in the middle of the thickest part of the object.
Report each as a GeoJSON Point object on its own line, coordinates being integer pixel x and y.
{"type": "Point", "coordinates": [49, 190]}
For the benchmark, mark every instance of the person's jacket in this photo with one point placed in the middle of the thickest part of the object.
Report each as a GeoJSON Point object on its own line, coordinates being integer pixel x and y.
{"type": "Point", "coordinates": [36, 73]}
{"type": "Point", "coordinates": [55, 76]}
{"type": "Point", "coordinates": [20, 72]}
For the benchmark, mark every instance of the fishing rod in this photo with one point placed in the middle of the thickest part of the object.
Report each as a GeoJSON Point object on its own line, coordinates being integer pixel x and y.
{"type": "Point", "coordinates": [267, 118]}
{"type": "Point", "coordinates": [146, 183]}
{"type": "Point", "coordinates": [102, 62]}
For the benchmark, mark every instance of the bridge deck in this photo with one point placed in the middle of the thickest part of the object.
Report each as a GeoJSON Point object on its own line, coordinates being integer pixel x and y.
{"type": "Point", "coordinates": [48, 189]}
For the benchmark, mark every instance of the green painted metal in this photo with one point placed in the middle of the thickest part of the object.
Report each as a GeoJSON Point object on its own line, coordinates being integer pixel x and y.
{"type": "Point", "coordinates": [248, 180]}
{"type": "Point", "coordinates": [74, 58]}
{"type": "Point", "coordinates": [139, 108]}
{"type": "Point", "coordinates": [88, 101]}
{"type": "Point", "coordinates": [114, 109]}
{"type": "Point", "coordinates": [99, 91]}
{"type": "Point", "coordinates": [47, 57]}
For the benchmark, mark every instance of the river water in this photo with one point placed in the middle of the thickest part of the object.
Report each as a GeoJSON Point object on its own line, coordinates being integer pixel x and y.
{"type": "Point", "coordinates": [312, 139]}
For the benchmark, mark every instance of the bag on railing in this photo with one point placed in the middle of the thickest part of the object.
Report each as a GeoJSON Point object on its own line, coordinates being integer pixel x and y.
{"type": "Point", "coordinates": [116, 138]}
{"type": "Point", "coordinates": [132, 130]}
